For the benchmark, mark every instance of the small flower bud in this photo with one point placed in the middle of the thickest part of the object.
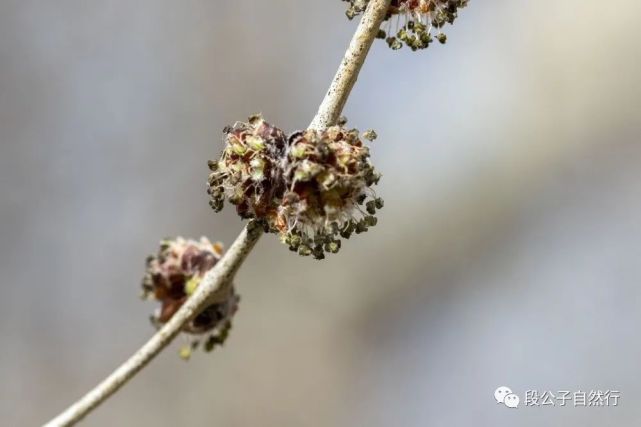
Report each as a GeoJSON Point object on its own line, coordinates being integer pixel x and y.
{"type": "Point", "coordinates": [304, 250]}
{"type": "Point", "coordinates": [173, 275]}
{"type": "Point", "coordinates": [370, 220]}
{"type": "Point", "coordinates": [333, 246]}
{"type": "Point", "coordinates": [361, 227]}
{"type": "Point", "coordinates": [370, 135]}
{"type": "Point", "coordinates": [371, 207]}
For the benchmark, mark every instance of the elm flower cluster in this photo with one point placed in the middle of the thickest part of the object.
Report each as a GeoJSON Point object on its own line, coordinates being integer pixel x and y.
{"type": "Point", "coordinates": [312, 188]}
{"type": "Point", "coordinates": [249, 172]}
{"type": "Point", "coordinates": [411, 22]}
{"type": "Point", "coordinates": [173, 274]}
{"type": "Point", "coordinates": [329, 179]}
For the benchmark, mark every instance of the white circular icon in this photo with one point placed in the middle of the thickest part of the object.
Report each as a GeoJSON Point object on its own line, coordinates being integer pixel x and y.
{"type": "Point", "coordinates": [511, 400]}
{"type": "Point", "coordinates": [500, 394]}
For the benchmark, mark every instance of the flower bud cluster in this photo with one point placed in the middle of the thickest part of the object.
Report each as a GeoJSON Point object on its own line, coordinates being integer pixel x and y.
{"type": "Point", "coordinates": [328, 180]}
{"type": "Point", "coordinates": [174, 273]}
{"type": "Point", "coordinates": [248, 173]}
{"type": "Point", "coordinates": [415, 18]}
{"type": "Point", "coordinates": [312, 188]}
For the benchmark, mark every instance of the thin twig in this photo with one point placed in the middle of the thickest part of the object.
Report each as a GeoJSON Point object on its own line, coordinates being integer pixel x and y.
{"type": "Point", "coordinates": [345, 78]}
{"type": "Point", "coordinates": [223, 273]}
{"type": "Point", "coordinates": [214, 280]}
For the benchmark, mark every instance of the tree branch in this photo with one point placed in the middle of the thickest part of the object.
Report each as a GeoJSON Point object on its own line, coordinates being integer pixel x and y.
{"type": "Point", "coordinates": [215, 279]}
{"type": "Point", "coordinates": [224, 271]}
{"type": "Point", "coordinates": [345, 78]}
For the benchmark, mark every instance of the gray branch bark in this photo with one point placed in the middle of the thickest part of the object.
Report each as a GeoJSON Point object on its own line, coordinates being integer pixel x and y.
{"type": "Point", "coordinates": [224, 271]}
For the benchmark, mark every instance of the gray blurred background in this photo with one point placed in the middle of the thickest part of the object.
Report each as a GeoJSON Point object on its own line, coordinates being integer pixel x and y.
{"type": "Point", "coordinates": [508, 253]}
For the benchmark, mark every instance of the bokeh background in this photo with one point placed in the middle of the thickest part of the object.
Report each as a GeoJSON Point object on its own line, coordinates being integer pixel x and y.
{"type": "Point", "coordinates": [508, 252]}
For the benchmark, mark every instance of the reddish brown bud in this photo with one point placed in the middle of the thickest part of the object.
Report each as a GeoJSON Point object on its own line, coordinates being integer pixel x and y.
{"type": "Point", "coordinates": [174, 273]}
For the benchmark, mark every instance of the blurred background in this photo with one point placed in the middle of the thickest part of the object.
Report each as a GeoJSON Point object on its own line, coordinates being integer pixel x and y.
{"type": "Point", "coordinates": [508, 251]}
